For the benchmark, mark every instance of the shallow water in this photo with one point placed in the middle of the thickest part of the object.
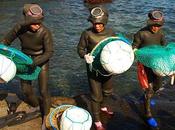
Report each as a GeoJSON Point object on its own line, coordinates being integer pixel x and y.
{"type": "Point", "coordinates": [67, 19]}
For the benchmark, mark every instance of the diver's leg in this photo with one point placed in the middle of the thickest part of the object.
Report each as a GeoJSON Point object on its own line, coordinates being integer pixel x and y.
{"type": "Point", "coordinates": [96, 96]}
{"type": "Point", "coordinates": [149, 117]}
{"type": "Point", "coordinates": [148, 94]}
{"type": "Point", "coordinates": [107, 91]}
{"type": "Point", "coordinates": [45, 102]}
{"type": "Point", "coordinates": [95, 84]}
{"type": "Point", "coordinates": [96, 99]}
{"type": "Point", "coordinates": [148, 91]}
{"type": "Point", "coordinates": [28, 91]}
{"type": "Point", "coordinates": [157, 83]}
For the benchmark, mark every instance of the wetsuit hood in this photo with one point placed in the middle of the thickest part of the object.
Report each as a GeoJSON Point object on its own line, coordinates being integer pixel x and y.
{"type": "Point", "coordinates": [33, 12]}
{"type": "Point", "coordinates": [98, 15]}
{"type": "Point", "coordinates": [155, 18]}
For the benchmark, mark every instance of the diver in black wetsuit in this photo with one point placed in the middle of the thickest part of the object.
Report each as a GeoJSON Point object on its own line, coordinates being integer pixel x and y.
{"type": "Point", "coordinates": [149, 35]}
{"type": "Point", "coordinates": [36, 42]}
{"type": "Point", "coordinates": [99, 85]}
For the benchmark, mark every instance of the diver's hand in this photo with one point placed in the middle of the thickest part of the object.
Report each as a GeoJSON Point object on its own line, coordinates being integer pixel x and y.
{"type": "Point", "coordinates": [32, 67]}
{"type": "Point", "coordinates": [88, 58]}
{"type": "Point", "coordinates": [4, 42]}
{"type": "Point", "coordinates": [135, 49]}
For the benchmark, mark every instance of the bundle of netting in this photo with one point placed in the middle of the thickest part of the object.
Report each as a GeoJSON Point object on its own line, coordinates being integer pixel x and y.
{"type": "Point", "coordinates": [68, 117]}
{"type": "Point", "coordinates": [161, 59]}
{"type": "Point", "coordinates": [21, 61]}
{"type": "Point", "coordinates": [112, 55]}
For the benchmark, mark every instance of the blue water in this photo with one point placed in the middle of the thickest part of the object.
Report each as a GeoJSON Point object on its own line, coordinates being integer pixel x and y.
{"type": "Point", "coordinates": [67, 19]}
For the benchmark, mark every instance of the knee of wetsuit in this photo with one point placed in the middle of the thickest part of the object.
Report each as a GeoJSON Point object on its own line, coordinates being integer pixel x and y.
{"type": "Point", "coordinates": [27, 93]}
{"type": "Point", "coordinates": [149, 92]}
{"type": "Point", "coordinates": [45, 66]}
{"type": "Point", "coordinates": [27, 89]}
{"type": "Point", "coordinates": [44, 93]}
{"type": "Point", "coordinates": [97, 98]}
{"type": "Point", "coordinates": [108, 92]}
{"type": "Point", "coordinates": [148, 96]}
{"type": "Point", "coordinates": [157, 87]}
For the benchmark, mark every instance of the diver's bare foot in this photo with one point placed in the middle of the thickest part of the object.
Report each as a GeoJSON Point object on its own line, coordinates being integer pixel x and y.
{"type": "Point", "coordinates": [107, 111]}
{"type": "Point", "coordinates": [99, 126]}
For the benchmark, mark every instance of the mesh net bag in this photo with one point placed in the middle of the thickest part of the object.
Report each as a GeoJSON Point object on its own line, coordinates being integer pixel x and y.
{"type": "Point", "coordinates": [54, 117]}
{"type": "Point", "coordinates": [159, 58]}
{"type": "Point", "coordinates": [96, 65]}
{"type": "Point", "coordinates": [21, 61]}
{"type": "Point", "coordinates": [96, 53]}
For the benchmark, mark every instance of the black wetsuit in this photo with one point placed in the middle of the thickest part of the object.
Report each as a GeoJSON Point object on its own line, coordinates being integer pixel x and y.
{"type": "Point", "coordinates": [98, 83]}
{"type": "Point", "coordinates": [142, 38]}
{"type": "Point", "coordinates": [38, 45]}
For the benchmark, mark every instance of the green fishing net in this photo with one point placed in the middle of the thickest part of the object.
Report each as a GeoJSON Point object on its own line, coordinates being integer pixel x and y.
{"type": "Point", "coordinates": [159, 58]}
{"type": "Point", "coordinates": [21, 61]}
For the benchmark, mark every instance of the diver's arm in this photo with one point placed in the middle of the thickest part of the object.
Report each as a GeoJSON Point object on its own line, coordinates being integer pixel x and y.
{"type": "Point", "coordinates": [12, 35]}
{"type": "Point", "coordinates": [82, 45]}
{"type": "Point", "coordinates": [137, 41]}
{"type": "Point", "coordinates": [163, 41]}
{"type": "Point", "coordinates": [48, 49]}
{"type": "Point", "coordinates": [18, 29]}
